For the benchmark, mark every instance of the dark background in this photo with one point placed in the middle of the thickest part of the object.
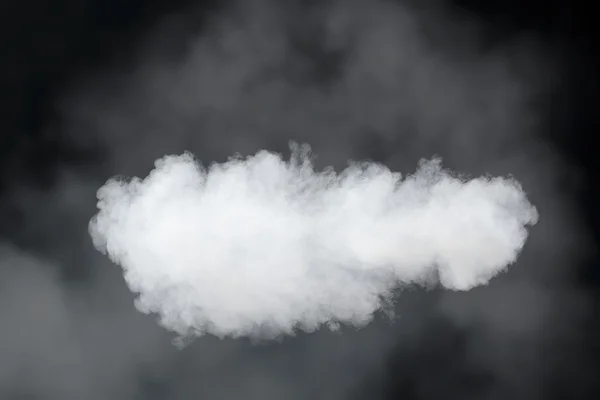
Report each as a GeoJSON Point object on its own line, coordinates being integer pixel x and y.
{"type": "Point", "coordinates": [48, 45]}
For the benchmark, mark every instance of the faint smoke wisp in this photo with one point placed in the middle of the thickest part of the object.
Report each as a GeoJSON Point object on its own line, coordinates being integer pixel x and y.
{"type": "Point", "coordinates": [262, 246]}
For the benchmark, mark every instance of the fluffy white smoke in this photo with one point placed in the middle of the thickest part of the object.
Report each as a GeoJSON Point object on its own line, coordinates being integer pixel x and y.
{"type": "Point", "coordinates": [264, 246]}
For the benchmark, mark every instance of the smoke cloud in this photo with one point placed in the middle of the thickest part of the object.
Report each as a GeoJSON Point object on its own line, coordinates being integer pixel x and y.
{"type": "Point", "coordinates": [262, 246]}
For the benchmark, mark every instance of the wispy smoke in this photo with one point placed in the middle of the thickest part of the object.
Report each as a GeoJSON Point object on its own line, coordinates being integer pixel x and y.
{"type": "Point", "coordinates": [261, 246]}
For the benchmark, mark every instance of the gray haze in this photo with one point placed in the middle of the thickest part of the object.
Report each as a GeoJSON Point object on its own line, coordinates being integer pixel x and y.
{"type": "Point", "coordinates": [357, 80]}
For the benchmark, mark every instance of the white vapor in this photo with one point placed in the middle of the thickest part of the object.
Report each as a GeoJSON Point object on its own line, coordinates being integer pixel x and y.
{"type": "Point", "coordinates": [262, 246]}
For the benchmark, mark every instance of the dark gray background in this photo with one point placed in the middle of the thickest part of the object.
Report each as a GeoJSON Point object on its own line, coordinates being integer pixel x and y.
{"type": "Point", "coordinates": [91, 89]}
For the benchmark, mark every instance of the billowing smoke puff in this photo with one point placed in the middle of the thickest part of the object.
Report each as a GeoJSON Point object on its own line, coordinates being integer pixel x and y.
{"type": "Point", "coordinates": [262, 246]}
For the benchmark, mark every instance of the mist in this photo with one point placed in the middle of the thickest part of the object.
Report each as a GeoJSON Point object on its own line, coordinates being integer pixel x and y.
{"type": "Point", "coordinates": [387, 81]}
{"type": "Point", "coordinates": [260, 243]}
